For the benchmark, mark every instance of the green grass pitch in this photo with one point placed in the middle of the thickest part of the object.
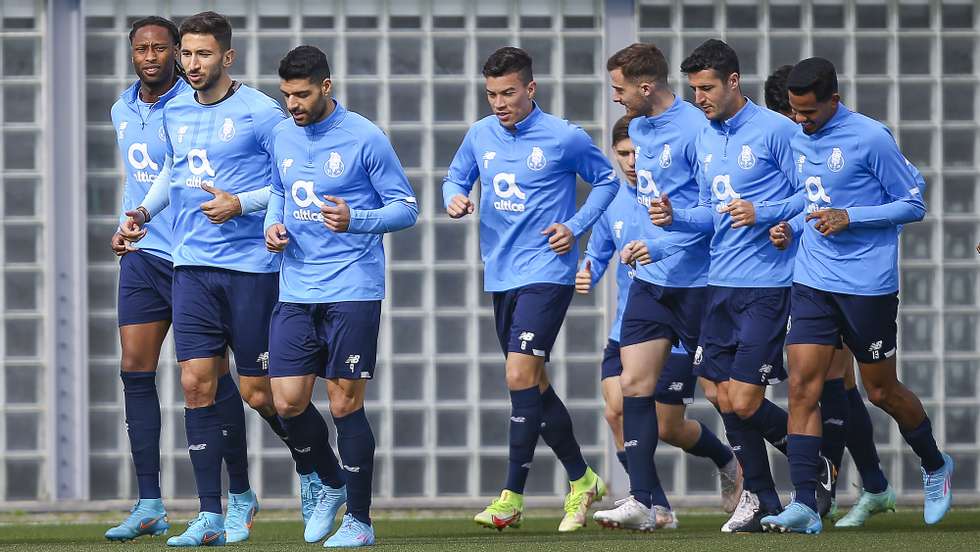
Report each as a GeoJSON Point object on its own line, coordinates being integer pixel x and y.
{"type": "Point", "coordinates": [899, 532]}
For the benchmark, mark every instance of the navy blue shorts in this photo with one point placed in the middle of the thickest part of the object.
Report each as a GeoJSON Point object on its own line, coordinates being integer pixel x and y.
{"type": "Point", "coordinates": [612, 365]}
{"type": "Point", "coordinates": [528, 318]}
{"type": "Point", "coordinates": [145, 289]}
{"type": "Point", "coordinates": [216, 309]}
{"type": "Point", "coordinates": [331, 340]}
{"type": "Point", "coordinates": [677, 380]}
{"type": "Point", "coordinates": [865, 323]}
{"type": "Point", "coordinates": [657, 312]}
{"type": "Point", "coordinates": [743, 334]}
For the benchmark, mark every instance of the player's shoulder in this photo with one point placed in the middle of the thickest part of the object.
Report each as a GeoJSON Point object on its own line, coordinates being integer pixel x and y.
{"type": "Point", "coordinates": [256, 100]}
{"type": "Point", "coordinates": [284, 126]}
{"type": "Point", "coordinates": [775, 125]}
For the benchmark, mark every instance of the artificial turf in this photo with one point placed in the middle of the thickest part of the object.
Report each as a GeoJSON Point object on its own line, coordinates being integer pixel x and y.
{"type": "Point", "coordinates": [899, 532]}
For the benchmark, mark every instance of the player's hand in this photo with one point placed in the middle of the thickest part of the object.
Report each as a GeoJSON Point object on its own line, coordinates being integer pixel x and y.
{"type": "Point", "coordinates": [781, 235]}
{"type": "Point", "coordinates": [741, 211]}
{"type": "Point", "coordinates": [460, 206]}
{"type": "Point", "coordinates": [276, 238]}
{"type": "Point", "coordinates": [830, 221]}
{"type": "Point", "coordinates": [119, 245]}
{"type": "Point", "coordinates": [336, 217]}
{"type": "Point", "coordinates": [561, 239]}
{"type": "Point", "coordinates": [661, 211]}
{"type": "Point", "coordinates": [223, 207]}
{"type": "Point", "coordinates": [583, 278]}
{"type": "Point", "coordinates": [635, 252]}
{"type": "Point", "coordinates": [978, 248]}
{"type": "Point", "coordinates": [132, 229]}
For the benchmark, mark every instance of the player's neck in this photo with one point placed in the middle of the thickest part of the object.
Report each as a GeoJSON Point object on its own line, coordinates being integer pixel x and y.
{"type": "Point", "coordinates": [151, 94]}
{"type": "Point", "coordinates": [331, 106]}
{"type": "Point", "coordinates": [736, 107]}
{"type": "Point", "coordinates": [216, 93]}
{"type": "Point", "coordinates": [662, 100]}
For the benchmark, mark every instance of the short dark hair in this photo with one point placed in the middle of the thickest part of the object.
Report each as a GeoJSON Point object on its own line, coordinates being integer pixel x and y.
{"type": "Point", "coordinates": [816, 75]}
{"type": "Point", "coordinates": [509, 60]}
{"type": "Point", "coordinates": [210, 23]}
{"type": "Point", "coordinates": [155, 21]}
{"type": "Point", "coordinates": [621, 130]}
{"type": "Point", "coordinates": [305, 62]}
{"type": "Point", "coordinates": [776, 98]}
{"type": "Point", "coordinates": [640, 60]}
{"type": "Point", "coordinates": [712, 54]}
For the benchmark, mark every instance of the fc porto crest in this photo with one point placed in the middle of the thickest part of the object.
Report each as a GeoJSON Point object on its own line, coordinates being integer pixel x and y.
{"type": "Point", "coordinates": [334, 166]}
{"type": "Point", "coordinates": [227, 130]}
{"type": "Point", "coordinates": [536, 161]}
{"type": "Point", "coordinates": [836, 160]}
{"type": "Point", "coordinates": [665, 157]}
{"type": "Point", "coordinates": [746, 159]}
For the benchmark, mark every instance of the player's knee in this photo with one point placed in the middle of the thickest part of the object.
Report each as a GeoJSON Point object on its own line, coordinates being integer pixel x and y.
{"type": "Point", "coordinates": [258, 399]}
{"type": "Point", "coordinates": [286, 407]}
{"type": "Point", "coordinates": [343, 406]}
{"type": "Point", "coordinates": [669, 433]}
{"type": "Point", "coordinates": [198, 390]}
{"type": "Point", "coordinates": [614, 416]}
{"type": "Point", "coordinates": [636, 385]}
{"type": "Point", "coordinates": [133, 363]}
{"type": "Point", "coordinates": [879, 395]}
{"type": "Point", "coordinates": [744, 405]}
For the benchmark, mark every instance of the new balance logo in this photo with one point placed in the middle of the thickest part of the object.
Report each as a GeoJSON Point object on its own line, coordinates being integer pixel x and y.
{"type": "Point", "coordinates": [303, 450]}
{"type": "Point", "coordinates": [352, 361]}
{"type": "Point", "coordinates": [676, 386]}
{"type": "Point", "coordinates": [876, 346]}
{"type": "Point", "coordinates": [518, 419]}
{"type": "Point", "coordinates": [488, 157]}
{"type": "Point", "coordinates": [201, 446]}
{"type": "Point", "coordinates": [631, 443]}
{"type": "Point", "coordinates": [263, 360]}
{"type": "Point", "coordinates": [875, 350]}
{"type": "Point", "coordinates": [352, 469]}
{"type": "Point", "coordinates": [834, 421]}
{"type": "Point", "coordinates": [525, 338]}
{"type": "Point", "coordinates": [765, 369]}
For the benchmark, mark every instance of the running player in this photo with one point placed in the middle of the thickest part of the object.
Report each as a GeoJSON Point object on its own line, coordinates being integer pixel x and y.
{"type": "Point", "coordinates": [846, 421]}
{"type": "Point", "coordinates": [145, 274]}
{"type": "Point", "coordinates": [858, 190]}
{"type": "Point", "coordinates": [346, 188]}
{"type": "Point", "coordinates": [609, 236]}
{"type": "Point", "coordinates": [218, 143]}
{"type": "Point", "coordinates": [527, 161]}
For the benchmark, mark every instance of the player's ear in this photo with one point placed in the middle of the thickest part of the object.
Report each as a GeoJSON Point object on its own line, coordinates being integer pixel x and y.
{"type": "Point", "coordinates": [531, 89]}
{"type": "Point", "coordinates": [229, 57]}
{"type": "Point", "coordinates": [326, 86]}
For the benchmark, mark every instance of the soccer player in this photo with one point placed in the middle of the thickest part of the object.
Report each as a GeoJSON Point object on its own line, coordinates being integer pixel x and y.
{"type": "Point", "coordinates": [857, 190]}
{"type": "Point", "coordinates": [337, 188]}
{"type": "Point", "coordinates": [609, 235]}
{"type": "Point", "coordinates": [846, 421]}
{"type": "Point", "coordinates": [527, 161]}
{"type": "Point", "coordinates": [666, 298]}
{"type": "Point", "coordinates": [146, 274]}
{"type": "Point", "coordinates": [218, 144]}
{"type": "Point", "coordinates": [745, 157]}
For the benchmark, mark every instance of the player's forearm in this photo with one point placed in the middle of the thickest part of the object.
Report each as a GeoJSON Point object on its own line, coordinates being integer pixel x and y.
{"type": "Point", "coordinates": [274, 212]}
{"type": "Point", "coordinates": [895, 213]}
{"type": "Point", "coordinates": [666, 245]}
{"type": "Point", "coordinates": [771, 212]}
{"type": "Point", "coordinates": [451, 189]}
{"type": "Point", "coordinates": [394, 216]}
{"type": "Point", "coordinates": [696, 219]}
{"type": "Point", "coordinates": [597, 265]}
{"type": "Point", "coordinates": [255, 200]}
{"type": "Point", "coordinates": [599, 198]}
{"type": "Point", "coordinates": [158, 196]}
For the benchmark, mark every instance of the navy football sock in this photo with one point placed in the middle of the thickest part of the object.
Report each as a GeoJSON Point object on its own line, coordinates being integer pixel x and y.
{"type": "Point", "coordinates": [525, 426]}
{"type": "Point", "coordinates": [803, 452]}
{"type": "Point", "coordinates": [557, 432]}
{"type": "Point", "coordinates": [834, 414]}
{"type": "Point", "coordinates": [143, 428]}
{"type": "Point", "coordinates": [861, 443]}
{"type": "Point", "coordinates": [752, 455]}
{"type": "Point", "coordinates": [355, 440]}
{"type": "Point", "coordinates": [709, 446]}
{"type": "Point", "coordinates": [310, 436]}
{"type": "Point", "coordinates": [621, 456]}
{"type": "Point", "coordinates": [641, 435]}
{"type": "Point", "coordinates": [205, 445]}
{"type": "Point", "coordinates": [231, 410]}
{"type": "Point", "coordinates": [770, 420]}
{"type": "Point", "coordinates": [279, 428]}
{"type": "Point", "coordinates": [924, 445]}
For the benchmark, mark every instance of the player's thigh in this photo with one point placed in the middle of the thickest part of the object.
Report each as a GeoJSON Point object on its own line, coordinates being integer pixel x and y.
{"type": "Point", "coordinates": [349, 330]}
{"type": "Point", "coordinates": [760, 325]}
{"type": "Point", "coordinates": [842, 366]}
{"type": "Point", "coordinates": [537, 316]}
{"type": "Point", "coordinates": [292, 394]}
{"type": "Point", "coordinates": [809, 365]}
{"type": "Point", "coordinates": [145, 289]}
{"type": "Point", "coordinates": [251, 300]}
{"type": "Point", "coordinates": [642, 365]}
{"type": "Point", "coordinates": [200, 319]}
{"type": "Point", "coordinates": [676, 382]}
{"type": "Point", "coordinates": [870, 326]}
{"type": "Point", "coordinates": [141, 344]}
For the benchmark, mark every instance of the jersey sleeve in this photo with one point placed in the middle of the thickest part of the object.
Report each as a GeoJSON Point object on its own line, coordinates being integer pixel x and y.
{"type": "Point", "coordinates": [463, 171]}
{"type": "Point", "coordinates": [158, 196]}
{"type": "Point", "coordinates": [600, 249]}
{"type": "Point", "coordinates": [891, 169]}
{"type": "Point", "coordinates": [698, 218]}
{"type": "Point", "coordinates": [400, 209]}
{"type": "Point", "coordinates": [265, 117]}
{"type": "Point", "coordinates": [594, 168]}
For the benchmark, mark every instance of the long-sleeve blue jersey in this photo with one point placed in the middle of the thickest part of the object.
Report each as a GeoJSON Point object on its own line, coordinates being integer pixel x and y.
{"type": "Point", "coordinates": [666, 162]}
{"type": "Point", "coordinates": [345, 156]}
{"type": "Point", "coordinates": [227, 145]}
{"type": "Point", "coordinates": [143, 147]}
{"type": "Point", "coordinates": [746, 157]}
{"type": "Point", "coordinates": [851, 163]}
{"type": "Point", "coordinates": [527, 182]}
{"type": "Point", "coordinates": [609, 235]}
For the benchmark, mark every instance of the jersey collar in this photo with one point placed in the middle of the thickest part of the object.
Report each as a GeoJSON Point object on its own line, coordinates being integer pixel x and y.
{"type": "Point", "coordinates": [332, 120]}
{"type": "Point", "coordinates": [835, 121]}
{"type": "Point", "coordinates": [524, 124]}
{"type": "Point", "coordinates": [743, 116]}
{"type": "Point", "coordinates": [131, 96]}
{"type": "Point", "coordinates": [667, 116]}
